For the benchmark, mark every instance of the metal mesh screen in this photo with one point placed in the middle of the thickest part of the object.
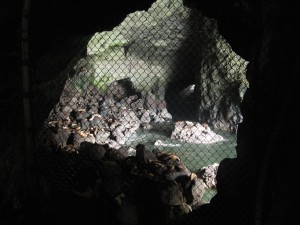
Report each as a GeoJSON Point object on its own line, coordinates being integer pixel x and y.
{"type": "Point", "coordinates": [146, 116]}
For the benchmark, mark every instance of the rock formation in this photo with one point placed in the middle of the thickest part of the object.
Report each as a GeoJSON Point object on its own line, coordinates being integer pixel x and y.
{"type": "Point", "coordinates": [188, 131]}
{"type": "Point", "coordinates": [109, 117]}
{"type": "Point", "coordinates": [164, 50]}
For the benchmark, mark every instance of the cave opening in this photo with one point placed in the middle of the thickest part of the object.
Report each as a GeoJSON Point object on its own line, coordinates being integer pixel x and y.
{"type": "Point", "coordinates": [121, 125]}
{"type": "Point", "coordinates": [164, 79]}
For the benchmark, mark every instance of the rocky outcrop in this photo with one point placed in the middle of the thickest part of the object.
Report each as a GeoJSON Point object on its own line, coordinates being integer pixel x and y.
{"type": "Point", "coordinates": [187, 131]}
{"type": "Point", "coordinates": [109, 117]}
{"type": "Point", "coordinates": [222, 82]}
{"type": "Point", "coordinates": [164, 50]}
{"type": "Point", "coordinates": [209, 175]}
{"type": "Point", "coordinates": [145, 47]}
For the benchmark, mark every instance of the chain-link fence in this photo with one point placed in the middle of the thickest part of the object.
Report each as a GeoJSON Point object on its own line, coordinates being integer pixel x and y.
{"type": "Point", "coordinates": [145, 116]}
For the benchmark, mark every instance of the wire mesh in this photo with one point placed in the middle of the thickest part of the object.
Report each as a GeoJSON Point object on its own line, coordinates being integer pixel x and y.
{"type": "Point", "coordinates": [147, 116]}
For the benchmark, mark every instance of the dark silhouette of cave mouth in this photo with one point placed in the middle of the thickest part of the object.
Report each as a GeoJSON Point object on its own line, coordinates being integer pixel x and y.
{"type": "Point", "coordinates": [241, 195]}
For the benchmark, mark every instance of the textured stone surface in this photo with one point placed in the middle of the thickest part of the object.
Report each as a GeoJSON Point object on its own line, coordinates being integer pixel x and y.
{"type": "Point", "coordinates": [187, 131]}
{"type": "Point", "coordinates": [164, 50]}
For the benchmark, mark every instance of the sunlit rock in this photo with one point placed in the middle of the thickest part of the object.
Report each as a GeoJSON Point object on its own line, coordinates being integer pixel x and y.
{"type": "Point", "coordinates": [193, 132]}
{"type": "Point", "coordinates": [209, 174]}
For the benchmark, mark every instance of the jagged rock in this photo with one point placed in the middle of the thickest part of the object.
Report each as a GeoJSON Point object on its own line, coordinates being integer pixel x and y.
{"type": "Point", "coordinates": [163, 113]}
{"type": "Point", "coordinates": [128, 151]}
{"type": "Point", "coordinates": [113, 144]}
{"type": "Point", "coordinates": [119, 135]}
{"type": "Point", "coordinates": [208, 174]}
{"type": "Point", "coordinates": [84, 124]}
{"type": "Point", "coordinates": [187, 131]}
{"type": "Point", "coordinates": [102, 136]}
{"type": "Point", "coordinates": [66, 109]}
{"type": "Point", "coordinates": [146, 126]}
{"type": "Point", "coordinates": [81, 114]}
{"type": "Point", "coordinates": [96, 120]}
{"type": "Point", "coordinates": [114, 124]}
{"type": "Point", "coordinates": [145, 57]}
{"type": "Point", "coordinates": [151, 44]}
{"type": "Point", "coordinates": [146, 118]}
{"type": "Point", "coordinates": [158, 119]}
{"type": "Point", "coordinates": [93, 109]}
{"type": "Point", "coordinates": [129, 119]}
{"type": "Point", "coordinates": [137, 105]}
{"type": "Point", "coordinates": [150, 101]}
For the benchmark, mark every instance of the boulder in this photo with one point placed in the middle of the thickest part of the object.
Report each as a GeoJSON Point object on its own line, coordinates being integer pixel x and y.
{"type": "Point", "coordinates": [193, 132]}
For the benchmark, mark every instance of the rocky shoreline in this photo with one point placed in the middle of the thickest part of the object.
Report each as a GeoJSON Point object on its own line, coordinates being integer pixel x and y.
{"type": "Point", "coordinates": [85, 136]}
{"type": "Point", "coordinates": [107, 118]}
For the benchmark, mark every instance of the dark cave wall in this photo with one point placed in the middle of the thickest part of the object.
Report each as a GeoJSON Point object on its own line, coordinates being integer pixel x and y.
{"type": "Point", "coordinates": [53, 21]}
{"type": "Point", "coordinates": [270, 106]}
{"type": "Point", "coordinates": [238, 21]}
{"type": "Point", "coordinates": [268, 38]}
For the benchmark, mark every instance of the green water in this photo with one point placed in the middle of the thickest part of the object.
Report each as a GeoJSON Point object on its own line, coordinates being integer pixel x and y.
{"type": "Point", "coordinates": [194, 156]}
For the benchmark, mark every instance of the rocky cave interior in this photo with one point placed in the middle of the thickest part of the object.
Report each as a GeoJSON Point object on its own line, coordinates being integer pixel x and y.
{"type": "Point", "coordinates": [175, 64]}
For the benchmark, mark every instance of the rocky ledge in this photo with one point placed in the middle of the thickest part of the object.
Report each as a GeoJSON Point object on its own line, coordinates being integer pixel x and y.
{"type": "Point", "coordinates": [104, 118]}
